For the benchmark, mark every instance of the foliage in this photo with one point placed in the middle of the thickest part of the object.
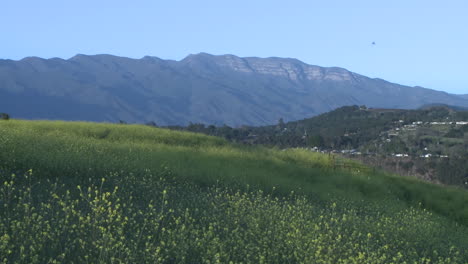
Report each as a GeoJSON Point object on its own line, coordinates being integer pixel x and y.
{"type": "Point", "coordinates": [102, 193]}
{"type": "Point", "coordinates": [149, 219]}
{"type": "Point", "coordinates": [455, 133]}
{"type": "Point", "coordinates": [345, 127]}
{"type": "Point", "coordinates": [4, 116]}
{"type": "Point", "coordinates": [362, 128]}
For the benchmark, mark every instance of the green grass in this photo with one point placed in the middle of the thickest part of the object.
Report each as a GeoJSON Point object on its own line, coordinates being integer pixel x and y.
{"type": "Point", "coordinates": [186, 197]}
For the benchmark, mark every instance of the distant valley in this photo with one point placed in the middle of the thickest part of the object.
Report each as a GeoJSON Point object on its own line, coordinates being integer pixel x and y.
{"type": "Point", "coordinates": [201, 88]}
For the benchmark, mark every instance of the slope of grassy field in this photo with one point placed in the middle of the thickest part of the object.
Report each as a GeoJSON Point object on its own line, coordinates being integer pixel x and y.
{"type": "Point", "coordinates": [103, 193]}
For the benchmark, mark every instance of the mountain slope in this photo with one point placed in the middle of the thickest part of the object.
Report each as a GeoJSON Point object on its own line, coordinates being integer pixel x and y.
{"type": "Point", "coordinates": [201, 88]}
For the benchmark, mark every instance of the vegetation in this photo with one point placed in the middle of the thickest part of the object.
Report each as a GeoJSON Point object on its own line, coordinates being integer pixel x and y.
{"type": "Point", "coordinates": [101, 193]}
{"type": "Point", "coordinates": [372, 132]}
{"type": "Point", "coordinates": [344, 128]}
{"type": "Point", "coordinates": [4, 116]}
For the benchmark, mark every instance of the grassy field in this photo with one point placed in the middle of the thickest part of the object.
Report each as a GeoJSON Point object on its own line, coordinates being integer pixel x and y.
{"type": "Point", "coordinates": [103, 193]}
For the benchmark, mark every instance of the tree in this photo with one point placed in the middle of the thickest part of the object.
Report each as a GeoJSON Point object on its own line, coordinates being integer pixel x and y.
{"type": "Point", "coordinates": [281, 124]}
{"type": "Point", "coordinates": [211, 129]}
{"type": "Point", "coordinates": [455, 133]}
{"type": "Point", "coordinates": [196, 127]}
{"type": "Point", "coordinates": [4, 116]}
{"type": "Point", "coordinates": [152, 123]}
{"type": "Point", "coordinates": [315, 141]}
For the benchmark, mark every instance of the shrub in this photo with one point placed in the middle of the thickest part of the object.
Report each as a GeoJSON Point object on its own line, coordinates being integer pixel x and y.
{"type": "Point", "coordinates": [4, 116]}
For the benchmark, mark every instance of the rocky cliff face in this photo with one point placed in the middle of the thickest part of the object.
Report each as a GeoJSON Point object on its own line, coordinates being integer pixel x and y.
{"type": "Point", "coordinates": [200, 88]}
{"type": "Point", "coordinates": [291, 69]}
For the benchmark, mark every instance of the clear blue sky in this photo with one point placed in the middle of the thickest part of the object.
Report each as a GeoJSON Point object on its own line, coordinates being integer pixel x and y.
{"type": "Point", "coordinates": [418, 42]}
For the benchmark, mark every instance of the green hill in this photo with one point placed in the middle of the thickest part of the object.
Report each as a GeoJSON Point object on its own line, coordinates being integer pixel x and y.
{"type": "Point", "coordinates": [377, 134]}
{"type": "Point", "coordinates": [86, 192]}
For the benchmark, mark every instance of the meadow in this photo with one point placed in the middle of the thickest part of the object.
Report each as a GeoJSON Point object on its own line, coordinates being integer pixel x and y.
{"type": "Point", "coordinates": [75, 192]}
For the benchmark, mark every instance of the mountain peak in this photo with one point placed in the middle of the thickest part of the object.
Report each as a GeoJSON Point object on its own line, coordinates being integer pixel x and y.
{"type": "Point", "coordinates": [31, 59]}
{"type": "Point", "coordinates": [197, 56]}
{"type": "Point", "coordinates": [290, 68]}
{"type": "Point", "coordinates": [79, 56]}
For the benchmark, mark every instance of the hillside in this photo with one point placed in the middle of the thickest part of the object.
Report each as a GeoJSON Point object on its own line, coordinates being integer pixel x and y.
{"type": "Point", "coordinates": [201, 88]}
{"type": "Point", "coordinates": [138, 194]}
{"type": "Point", "coordinates": [430, 143]}
{"type": "Point", "coordinates": [450, 107]}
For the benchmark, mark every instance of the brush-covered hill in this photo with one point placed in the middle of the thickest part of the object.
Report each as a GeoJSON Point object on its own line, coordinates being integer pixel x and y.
{"type": "Point", "coordinates": [201, 88]}
{"type": "Point", "coordinates": [430, 143]}
{"type": "Point", "coordinates": [343, 128]}
{"type": "Point", "coordinates": [87, 192]}
{"type": "Point", "coordinates": [449, 107]}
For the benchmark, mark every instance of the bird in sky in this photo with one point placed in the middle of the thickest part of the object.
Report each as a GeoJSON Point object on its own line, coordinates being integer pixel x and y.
{"type": "Point", "coordinates": [373, 42]}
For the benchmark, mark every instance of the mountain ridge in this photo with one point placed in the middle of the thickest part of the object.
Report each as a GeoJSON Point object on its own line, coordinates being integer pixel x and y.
{"type": "Point", "coordinates": [200, 88]}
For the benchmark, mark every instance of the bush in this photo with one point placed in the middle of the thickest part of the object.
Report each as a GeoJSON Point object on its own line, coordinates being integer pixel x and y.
{"type": "Point", "coordinates": [455, 133]}
{"type": "Point", "coordinates": [4, 116]}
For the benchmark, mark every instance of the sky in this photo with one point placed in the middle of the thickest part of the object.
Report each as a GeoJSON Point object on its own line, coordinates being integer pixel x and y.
{"type": "Point", "coordinates": [417, 42]}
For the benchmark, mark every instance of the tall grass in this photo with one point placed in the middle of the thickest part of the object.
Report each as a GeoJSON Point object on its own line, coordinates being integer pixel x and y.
{"type": "Point", "coordinates": [83, 150]}
{"type": "Point", "coordinates": [153, 218]}
{"type": "Point", "coordinates": [178, 197]}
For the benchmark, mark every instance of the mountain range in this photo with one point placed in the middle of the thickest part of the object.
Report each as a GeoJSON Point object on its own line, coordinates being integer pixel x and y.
{"type": "Point", "coordinates": [200, 88]}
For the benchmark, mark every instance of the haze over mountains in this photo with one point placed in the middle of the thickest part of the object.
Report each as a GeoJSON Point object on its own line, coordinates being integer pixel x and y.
{"type": "Point", "coordinates": [201, 88]}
